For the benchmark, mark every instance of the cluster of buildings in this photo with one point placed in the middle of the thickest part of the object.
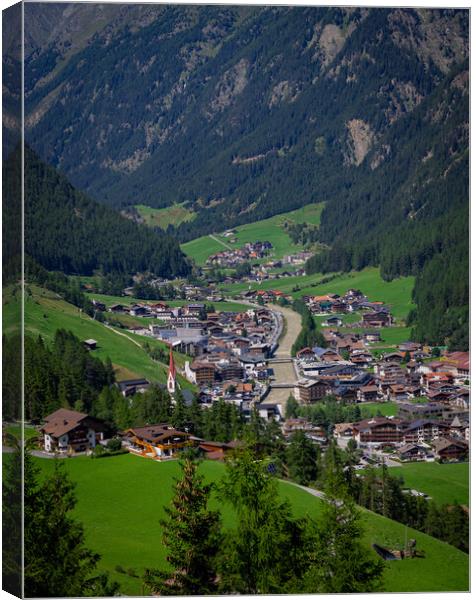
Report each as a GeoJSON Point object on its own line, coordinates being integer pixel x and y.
{"type": "Point", "coordinates": [231, 361]}
{"type": "Point", "coordinates": [233, 257]}
{"type": "Point", "coordinates": [374, 314]}
{"type": "Point", "coordinates": [68, 432]}
{"type": "Point", "coordinates": [432, 396]}
{"type": "Point", "coordinates": [411, 439]}
{"type": "Point", "coordinates": [265, 296]}
{"type": "Point", "coordinates": [350, 372]}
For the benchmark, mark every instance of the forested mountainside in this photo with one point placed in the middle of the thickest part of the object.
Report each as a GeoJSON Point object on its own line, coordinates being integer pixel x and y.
{"type": "Point", "coordinates": [244, 112]}
{"type": "Point", "coordinates": [66, 231]}
{"type": "Point", "coordinates": [241, 111]}
{"type": "Point", "coordinates": [412, 218]}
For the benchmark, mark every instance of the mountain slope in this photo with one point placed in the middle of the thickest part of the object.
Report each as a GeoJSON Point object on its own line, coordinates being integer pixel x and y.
{"type": "Point", "coordinates": [68, 232]}
{"type": "Point", "coordinates": [243, 112]}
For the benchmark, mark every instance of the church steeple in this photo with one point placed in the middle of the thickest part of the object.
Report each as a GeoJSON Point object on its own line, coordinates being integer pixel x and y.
{"type": "Point", "coordinates": [172, 374]}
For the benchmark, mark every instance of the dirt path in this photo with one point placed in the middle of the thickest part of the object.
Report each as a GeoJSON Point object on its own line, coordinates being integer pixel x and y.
{"type": "Point", "coordinates": [124, 335]}
{"type": "Point", "coordinates": [220, 241]}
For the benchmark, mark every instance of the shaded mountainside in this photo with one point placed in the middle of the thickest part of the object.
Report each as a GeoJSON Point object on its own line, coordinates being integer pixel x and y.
{"type": "Point", "coordinates": [412, 218]}
{"type": "Point", "coordinates": [66, 231]}
{"type": "Point", "coordinates": [242, 112]}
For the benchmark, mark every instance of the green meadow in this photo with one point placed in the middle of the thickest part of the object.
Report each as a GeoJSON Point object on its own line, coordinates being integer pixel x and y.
{"type": "Point", "coordinates": [445, 483]}
{"type": "Point", "coordinates": [271, 230]}
{"type": "Point", "coordinates": [45, 312]}
{"type": "Point", "coordinates": [390, 336]}
{"type": "Point", "coordinates": [29, 431]}
{"type": "Point", "coordinates": [121, 501]}
{"type": "Point", "coordinates": [163, 217]}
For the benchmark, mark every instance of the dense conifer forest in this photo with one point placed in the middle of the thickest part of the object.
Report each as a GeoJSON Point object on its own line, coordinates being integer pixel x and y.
{"type": "Point", "coordinates": [66, 231]}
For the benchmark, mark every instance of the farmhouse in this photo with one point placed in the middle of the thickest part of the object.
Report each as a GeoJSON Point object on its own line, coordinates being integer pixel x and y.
{"type": "Point", "coordinates": [90, 344]}
{"type": "Point", "coordinates": [377, 319]}
{"type": "Point", "coordinates": [71, 431]}
{"type": "Point", "coordinates": [129, 387]}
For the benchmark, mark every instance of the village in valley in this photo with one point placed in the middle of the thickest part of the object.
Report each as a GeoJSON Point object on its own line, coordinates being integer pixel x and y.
{"type": "Point", "coordinates": [247, 358]}
{"type": "Point", "coordinates": [235, 308]}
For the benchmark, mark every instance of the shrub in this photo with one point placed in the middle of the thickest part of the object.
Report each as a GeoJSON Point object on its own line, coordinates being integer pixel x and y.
{"type": "Point", "coordinates": [114, 444]}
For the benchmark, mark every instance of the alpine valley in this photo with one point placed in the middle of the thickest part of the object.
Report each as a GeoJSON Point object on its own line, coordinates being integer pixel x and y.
{"type": "Point", "coordinates": [236, 266]}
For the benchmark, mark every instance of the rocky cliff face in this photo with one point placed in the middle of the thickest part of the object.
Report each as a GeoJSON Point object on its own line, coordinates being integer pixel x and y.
{"type": "Point", "coordinates": [261, 108]}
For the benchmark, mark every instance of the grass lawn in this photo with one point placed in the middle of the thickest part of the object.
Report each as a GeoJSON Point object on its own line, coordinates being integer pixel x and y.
{"type": "Point", "coordinates": [45, 312]}
{"type": "Point", "coordinates": [121, 501]}
{"type": "Point", "coordinates": [163, 217]}
{"type": "Point", "coordinates": [271, 230]}
{"type": "Point", "coordinates": [16, 431]}
{"type": "Point", "coordinates": [445, 483]}
{"type": "Point", "coordinates": [370, 409]}
{"type": "Point", "coordinates": [201, 248]}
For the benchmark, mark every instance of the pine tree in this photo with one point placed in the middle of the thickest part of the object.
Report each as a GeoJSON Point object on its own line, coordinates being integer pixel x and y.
{"type": "Point", "coordinates": [301, 459]}
{"type": "Point", "coordinates": [268, 551]}
{"type": "Point", "coordinates": [191, 535]}
{"type": "Point", "coordinates": [195, 416]}
{"type": "Point", "coordinates": [292, 406]}
{"type": "Point", "coordinates": [179, 413]}
{"type": "Point", "coordinates": [11, 521]}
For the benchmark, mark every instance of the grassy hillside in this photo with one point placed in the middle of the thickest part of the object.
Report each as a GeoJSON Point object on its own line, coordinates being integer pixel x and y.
{"type": "Point", "coordinates": [271, 230]}
{"type": "Point", "coordinates": [447, 483]}
{"type": "Point", "coordinates": [396, 293]}
{"type": "Point", "coordinates": [163, 217]}
{"type": "Point", "coordinates": [122, 522]}
{"type": "Point", "coordinates": [45, 312]}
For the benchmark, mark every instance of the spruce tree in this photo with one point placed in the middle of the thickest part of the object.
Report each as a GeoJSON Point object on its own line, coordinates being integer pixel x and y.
{"type": "Point", "coordinates": [179, 414]}
{"type": "Point", "coordinates": [292, 406]}
{"type": "Point", "coordinates": [192, 537]}
{"type": "Point", "coordinates": [301, 459]}
{"type": "Point", "coordinates": [268, 551]}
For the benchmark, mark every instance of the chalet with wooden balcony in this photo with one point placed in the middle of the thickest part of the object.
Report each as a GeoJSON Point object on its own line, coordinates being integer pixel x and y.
{"type": "Point", "coordinates": [159, 442]}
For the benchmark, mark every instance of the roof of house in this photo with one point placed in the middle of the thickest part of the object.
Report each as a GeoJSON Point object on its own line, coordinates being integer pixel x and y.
{"type": "Point", "coordinates": [62, 421]}
{"type": "Point", "coordinates": [443, 443]}
{"type": "Point", "coordinates": [341, 427]}
{"type": "Point", "coordinates": [376, 421]}
{"type": "Point", "coordinates": [156, 433]}
{"type": "Point", "coordinates": [410, 446]}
